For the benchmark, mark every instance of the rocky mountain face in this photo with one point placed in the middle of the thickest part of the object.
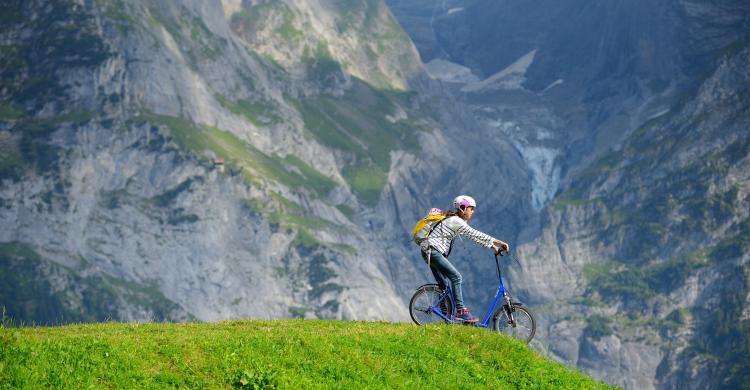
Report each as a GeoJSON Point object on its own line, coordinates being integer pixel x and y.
{"type": "Point", "coordinates": [206, 160]}
{"type": "Point", "coordinates": [650, 243]}
{"type": "Point", "coordinates": [632, 120]}
{"type": "Point", "coordinates": [203, 160]}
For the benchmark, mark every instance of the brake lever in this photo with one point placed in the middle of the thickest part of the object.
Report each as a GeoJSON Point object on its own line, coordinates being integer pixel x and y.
{"type": "Point", "coordinates": [503, 252]}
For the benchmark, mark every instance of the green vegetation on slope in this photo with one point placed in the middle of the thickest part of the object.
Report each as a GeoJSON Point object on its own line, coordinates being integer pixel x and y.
{"type": "Point", "coordinates": [258, 168]}
{"type": "Point", "coordinates": [8, 112]}
{"type": "Point", "coordinates": [380, 36]}
{"type": "Point", "coordinates": [259, 113]}
{"type": "Point", "coordinates": [62, 37]}
{"type": "Point", "coordinates": [274, 354]}
{"type": "Point", "coordinates": [191, 33]}
{"type": "Point", "coordinates": [358, 16]}
{"type": "Point", "coordinates": [27, 146]}
{"type": "Point", "coordinates": [615, 279]}
{"type": "Point", "coordinates": [202, 140]}
{"type": "Point", "coordinates": [28, 296]}
{"type": "Point", "coordinates": [598, 326]}
{"type": "Point", "coordinates": [252, 18]}
{"type": "Point", "coordinates": [725, 336]}
{"type": "Point", "coordinates": [356, 123]}
{"type": "Point", "coordinates": [368, 40]}
{"type": "Point", "coordinates": [118, 12]}
{"type": "Point", "coordinates": [285, 214]}
{"type": "Point", "coordinates": [692, 203]}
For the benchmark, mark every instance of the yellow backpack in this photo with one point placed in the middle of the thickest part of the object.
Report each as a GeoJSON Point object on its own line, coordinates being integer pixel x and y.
{"type": "Point", "coordinates": [424, 226]}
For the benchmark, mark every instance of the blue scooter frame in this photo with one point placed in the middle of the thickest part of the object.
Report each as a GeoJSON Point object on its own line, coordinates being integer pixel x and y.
{"type": "Point", "coordinates": [503, 318]}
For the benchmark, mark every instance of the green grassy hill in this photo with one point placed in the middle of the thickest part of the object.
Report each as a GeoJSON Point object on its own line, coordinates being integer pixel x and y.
{"type": "Point", "coordinates": [273, 354]}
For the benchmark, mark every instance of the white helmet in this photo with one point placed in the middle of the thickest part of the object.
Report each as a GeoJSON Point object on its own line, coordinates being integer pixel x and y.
{"type": "Point", "coordinates": [463, 201]}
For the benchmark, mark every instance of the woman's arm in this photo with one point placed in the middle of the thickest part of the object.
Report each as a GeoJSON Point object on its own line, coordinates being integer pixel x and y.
{"type": "Point", "coordinates": [460, 227]}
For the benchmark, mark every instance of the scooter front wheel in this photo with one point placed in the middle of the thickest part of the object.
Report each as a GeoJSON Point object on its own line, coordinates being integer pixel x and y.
{"type": "Point", "coordinates": [520, 325]}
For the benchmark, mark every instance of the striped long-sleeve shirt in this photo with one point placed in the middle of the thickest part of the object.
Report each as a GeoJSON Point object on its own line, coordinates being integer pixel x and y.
{"type": "Point", "coordinates": [443, 234]}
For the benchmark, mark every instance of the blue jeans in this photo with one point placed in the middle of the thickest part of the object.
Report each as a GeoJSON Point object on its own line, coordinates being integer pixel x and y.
{"type": "Point", "coordinates": [445, 272]}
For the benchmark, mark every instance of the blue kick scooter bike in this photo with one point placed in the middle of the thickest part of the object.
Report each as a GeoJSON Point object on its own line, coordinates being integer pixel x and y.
{"type": "Point", "coordinates": [430, 304]}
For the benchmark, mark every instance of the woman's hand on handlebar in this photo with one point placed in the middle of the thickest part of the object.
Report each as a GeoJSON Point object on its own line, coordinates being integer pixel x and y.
{"type": "Point", "coordinates": [502, 244]}
{"type": "Point", "coordinates": [501, 248]}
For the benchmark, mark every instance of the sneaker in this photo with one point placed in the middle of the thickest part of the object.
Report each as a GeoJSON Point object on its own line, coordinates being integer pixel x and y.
{"type": "Point", "coordinates": [465, 316]}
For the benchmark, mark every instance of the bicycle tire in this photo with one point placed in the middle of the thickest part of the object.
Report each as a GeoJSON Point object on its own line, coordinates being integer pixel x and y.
{"type": "Point", "coordinates": [420, 306]}
{"type": "Point", "coordinates": [524, 326]}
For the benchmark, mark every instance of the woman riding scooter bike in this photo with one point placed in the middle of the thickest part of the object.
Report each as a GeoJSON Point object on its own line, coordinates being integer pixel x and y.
{"type": "Point", "coordinates": [437, 247]}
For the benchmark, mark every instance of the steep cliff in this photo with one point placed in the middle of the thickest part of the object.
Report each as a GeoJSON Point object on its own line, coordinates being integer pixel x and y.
{"type": "Point", "coordinates": [632, 122]}
{"type": "Point", "coordinates": [202, 160]}
{"type": "Point", "coordinates": [650, 247]}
